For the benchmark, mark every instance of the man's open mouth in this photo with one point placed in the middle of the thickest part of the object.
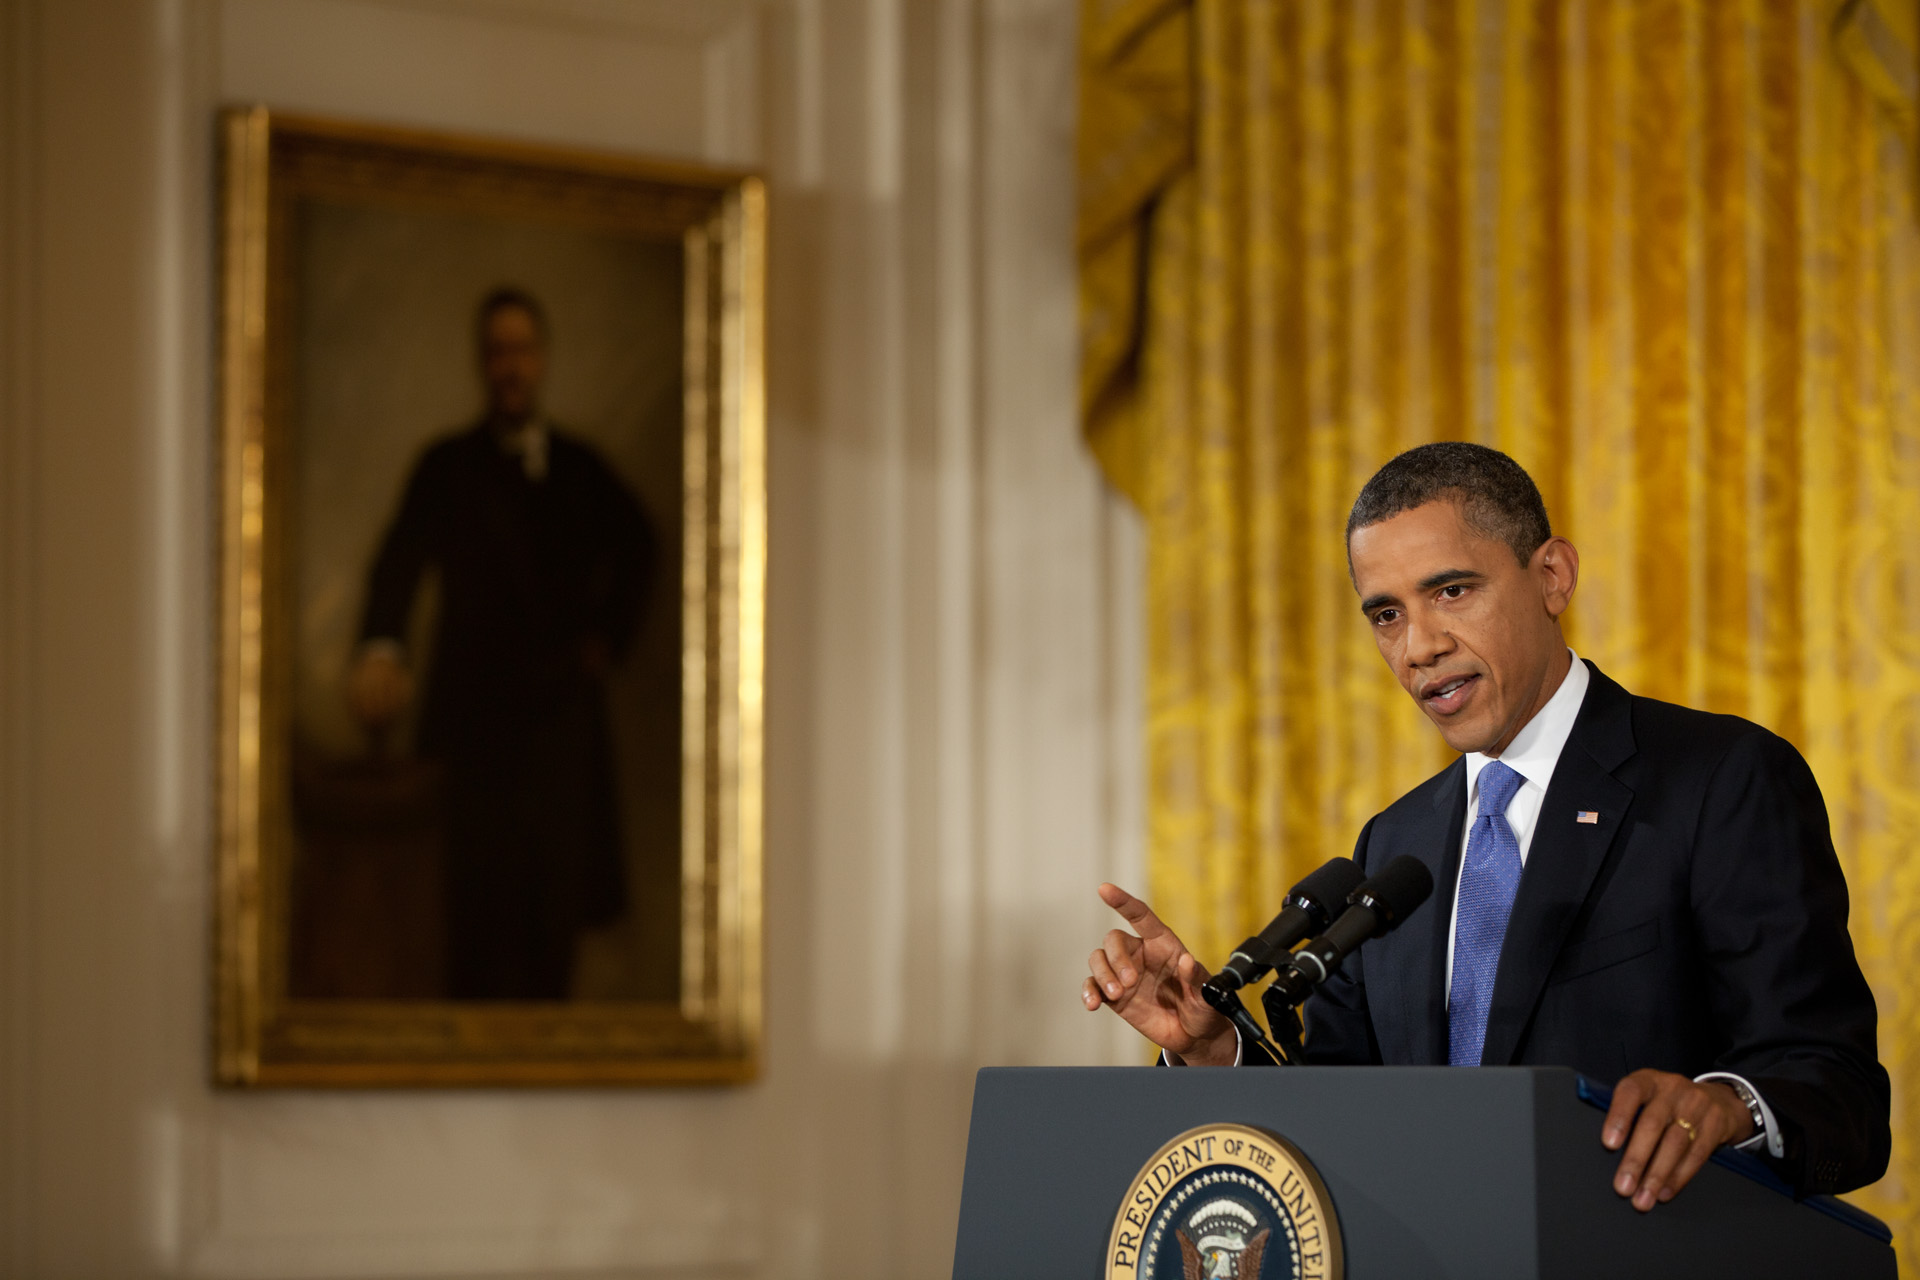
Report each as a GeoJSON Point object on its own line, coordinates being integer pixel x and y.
{"type": "Point", "coordinates": [1449, 695]}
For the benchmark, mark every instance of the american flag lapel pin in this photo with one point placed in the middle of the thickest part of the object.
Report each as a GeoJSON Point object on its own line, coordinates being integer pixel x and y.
{"type": "Point", "coordinates": [1588, 816]}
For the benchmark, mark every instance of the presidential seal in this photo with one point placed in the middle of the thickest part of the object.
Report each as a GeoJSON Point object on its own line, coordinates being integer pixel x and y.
{"type": "Point", "coordinates": [1226, 1202]}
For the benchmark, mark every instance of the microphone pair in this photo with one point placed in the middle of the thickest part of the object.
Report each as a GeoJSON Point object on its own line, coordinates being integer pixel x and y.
{"type": "Point", "coordinates": [1374, 907]}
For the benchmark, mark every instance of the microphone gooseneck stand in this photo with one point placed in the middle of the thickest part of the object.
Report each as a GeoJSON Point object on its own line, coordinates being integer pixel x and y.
{"type": "Point", "coordinates": [1235, 1011]}
{"type": "Point", "coordinates": [1284, 1018]}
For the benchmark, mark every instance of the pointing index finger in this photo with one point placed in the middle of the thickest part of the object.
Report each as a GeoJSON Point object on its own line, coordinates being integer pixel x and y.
{"type": "Point", "coordinates": [1133, 911]}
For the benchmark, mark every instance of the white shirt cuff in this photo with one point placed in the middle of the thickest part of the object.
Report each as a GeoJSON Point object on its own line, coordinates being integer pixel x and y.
{"type": "Point", "coordinates": [1770, 1130]}
{"type": "Point", "coordinates": [1239, 1050]}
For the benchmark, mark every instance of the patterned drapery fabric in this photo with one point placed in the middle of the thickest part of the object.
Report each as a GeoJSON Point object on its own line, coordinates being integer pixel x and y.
{"type": "Point", "coordinates": [1663, 252]}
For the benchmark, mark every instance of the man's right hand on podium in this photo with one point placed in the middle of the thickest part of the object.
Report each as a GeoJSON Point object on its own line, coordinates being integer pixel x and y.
{"type": "Point", "coordinates": [1153, 982]}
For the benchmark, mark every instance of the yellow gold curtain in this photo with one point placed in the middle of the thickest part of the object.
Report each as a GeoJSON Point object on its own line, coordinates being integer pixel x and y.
{"type": "Point", "coordinates": [1663, 252]}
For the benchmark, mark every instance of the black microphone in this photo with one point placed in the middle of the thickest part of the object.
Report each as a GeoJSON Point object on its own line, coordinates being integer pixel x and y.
{"type": "Point", "coordinates": [1378, 907]}
{"type": "Point", "coordinates": [1310, 906]}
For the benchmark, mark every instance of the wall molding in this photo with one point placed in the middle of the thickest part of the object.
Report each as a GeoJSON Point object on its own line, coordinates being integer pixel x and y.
{"type": "Point", "coordinates": [949, 771]}
{"type": "Point", "coordinates": [655, 19]}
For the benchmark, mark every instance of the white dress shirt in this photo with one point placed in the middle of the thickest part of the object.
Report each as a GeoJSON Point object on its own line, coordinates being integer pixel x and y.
{"type": "Point", "coordinates": [1533, 754]}
{"type": "Point", "coordinates": [528, 443]}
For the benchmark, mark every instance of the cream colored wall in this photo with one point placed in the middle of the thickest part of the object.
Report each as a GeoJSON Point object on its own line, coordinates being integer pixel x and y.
{"type": "Point", "coordinates": [952, 657]}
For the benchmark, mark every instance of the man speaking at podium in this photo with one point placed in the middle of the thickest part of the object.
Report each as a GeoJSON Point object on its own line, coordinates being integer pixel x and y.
{"type": "Point", "coordinates": [1636, 890]}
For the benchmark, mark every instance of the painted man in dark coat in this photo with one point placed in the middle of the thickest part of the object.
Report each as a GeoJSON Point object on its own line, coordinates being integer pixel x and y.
{"type": "Point", "coordinates": [542, 553]}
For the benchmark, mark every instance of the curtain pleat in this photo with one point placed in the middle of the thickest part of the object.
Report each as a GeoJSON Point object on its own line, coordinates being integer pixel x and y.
{"type": "Point", "coordinates": [1663, 252]}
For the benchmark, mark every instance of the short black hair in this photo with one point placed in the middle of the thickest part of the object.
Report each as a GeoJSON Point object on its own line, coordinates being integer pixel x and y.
{"type": "Point", "coordinates": [1497, 498]}
{"type": "Point", "coordinates": [499, 300]}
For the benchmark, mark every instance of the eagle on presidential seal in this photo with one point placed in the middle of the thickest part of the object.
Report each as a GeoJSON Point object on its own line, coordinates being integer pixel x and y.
{"type": "Point", "coordinates": [1219, 1242]}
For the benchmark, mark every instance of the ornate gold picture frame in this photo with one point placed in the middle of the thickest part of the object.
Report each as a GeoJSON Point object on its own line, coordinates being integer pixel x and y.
{"type": "Point", "coordinates": [378, 852]}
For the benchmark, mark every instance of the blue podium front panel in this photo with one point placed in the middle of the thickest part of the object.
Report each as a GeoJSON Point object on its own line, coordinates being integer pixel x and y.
{"type": "Point", "coordinates": [1437, 1172]}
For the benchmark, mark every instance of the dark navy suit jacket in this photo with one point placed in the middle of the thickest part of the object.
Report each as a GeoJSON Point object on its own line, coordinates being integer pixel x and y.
{"type": "Point", "coordinates": [1699, 925]}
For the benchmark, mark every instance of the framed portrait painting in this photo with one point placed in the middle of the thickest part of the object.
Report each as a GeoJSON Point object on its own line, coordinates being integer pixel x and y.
{"type": "Point", "coordinates": [492, 566]}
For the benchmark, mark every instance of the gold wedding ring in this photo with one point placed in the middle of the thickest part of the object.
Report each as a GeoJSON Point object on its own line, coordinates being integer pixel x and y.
{"type": "Point", "coordinates": [1692, 1133]}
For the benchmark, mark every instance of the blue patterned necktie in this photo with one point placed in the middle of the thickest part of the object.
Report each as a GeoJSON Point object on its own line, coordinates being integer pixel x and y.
{"type": "Point", "coordinates": [1487, 885]}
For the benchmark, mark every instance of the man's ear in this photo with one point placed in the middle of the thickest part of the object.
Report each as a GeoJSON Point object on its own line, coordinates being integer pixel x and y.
{"type": "Point", "coordinates": [1557, 564]}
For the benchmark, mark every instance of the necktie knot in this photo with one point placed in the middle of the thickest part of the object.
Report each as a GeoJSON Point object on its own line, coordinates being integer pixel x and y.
{"type": "Point", "coordinates": [1498, 784]}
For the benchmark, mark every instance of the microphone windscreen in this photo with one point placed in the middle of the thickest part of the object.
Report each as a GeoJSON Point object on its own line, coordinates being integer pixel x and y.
{"type": "Point", "coordinates": [1330, 885]}
{"type": "Point", "coordinates": [1397, 889]}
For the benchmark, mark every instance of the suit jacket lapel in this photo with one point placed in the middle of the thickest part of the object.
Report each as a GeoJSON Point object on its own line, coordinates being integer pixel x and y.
{"type": "Point", "coordinates": [1410, 963]}
{"type": "Point", "coordinates": [1562, 860]}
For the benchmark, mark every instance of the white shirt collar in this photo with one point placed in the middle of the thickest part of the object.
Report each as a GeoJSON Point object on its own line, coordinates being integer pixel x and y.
{"type": "Point", "coordinates": [1535, 750]}
{"type": "Point", "coordinates": [528, 442]}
